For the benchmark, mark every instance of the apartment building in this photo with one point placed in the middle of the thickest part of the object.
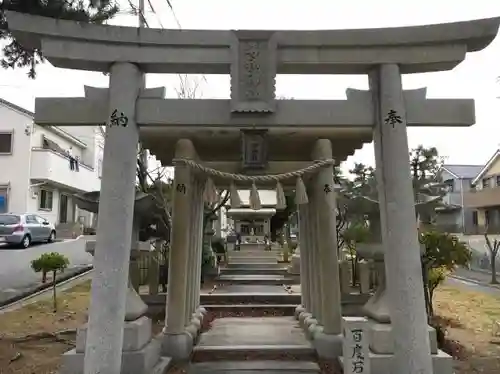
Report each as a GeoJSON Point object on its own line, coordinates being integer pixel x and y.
{"type": "Point", "coordinates": [454, 215]}
{"type": "Point", "coordinates": [484, 197]}
{"type": "Point", "coordinates": [36, 173]}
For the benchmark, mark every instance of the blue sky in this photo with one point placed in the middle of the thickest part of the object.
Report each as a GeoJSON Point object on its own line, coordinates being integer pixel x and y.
{"type": "Point", "coordinates": [474, 78]}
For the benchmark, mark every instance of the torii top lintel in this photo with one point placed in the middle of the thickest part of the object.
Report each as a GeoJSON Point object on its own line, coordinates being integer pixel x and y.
{"type": "Point", "coordinates": [417, 49]}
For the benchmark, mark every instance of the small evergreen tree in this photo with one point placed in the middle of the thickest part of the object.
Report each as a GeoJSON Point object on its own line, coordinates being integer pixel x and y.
{"type": "Point", "coordinates": [355, 233]}
{"type": "Point", "coordinates": [52, 262]}
{"type": "Point", "coordinates": [16, 55]}
{"type": "Point", "coordinates": [443, 253]}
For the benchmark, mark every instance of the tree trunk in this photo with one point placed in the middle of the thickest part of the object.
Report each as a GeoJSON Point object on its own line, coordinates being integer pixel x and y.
{"type": "Point", "coordinates": [353, 265]}
{"type": "Point", "coordinates": [44, 277]}
{"type": "Point", "coordinates": [493, 268]}
{"type": "Point", "coordinates": [427, 295]}
{"type": "Point", "coordinates": [54, 285]}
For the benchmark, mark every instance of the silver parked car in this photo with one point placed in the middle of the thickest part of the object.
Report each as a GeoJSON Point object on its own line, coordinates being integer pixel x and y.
{"type": "Point", "coordinates": [24, 229]}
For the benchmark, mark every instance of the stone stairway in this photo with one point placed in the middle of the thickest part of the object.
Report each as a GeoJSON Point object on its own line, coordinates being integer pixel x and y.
{"type": "Point", "coordinates": [254, 345]}
{"type": "Point", "coordinates": [254, 265]}
{"type": "Point", "coordinates": [253, 255]}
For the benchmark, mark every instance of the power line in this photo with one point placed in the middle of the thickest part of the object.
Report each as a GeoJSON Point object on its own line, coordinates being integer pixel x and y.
{"type": "Point", "coordinates": [154, 11]}
{"type": "Point", "coordinates": [169, 2]}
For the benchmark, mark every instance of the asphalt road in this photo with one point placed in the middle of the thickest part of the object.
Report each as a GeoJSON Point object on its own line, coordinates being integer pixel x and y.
{"type": "Point", "coordinates": [16, 274]}
{"type": "Point", "coordinates": [475, 281]}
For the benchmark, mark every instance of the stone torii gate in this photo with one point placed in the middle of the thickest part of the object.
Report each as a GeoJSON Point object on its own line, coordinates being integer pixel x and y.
{"type": "Point", "coordinates": [205, 135]}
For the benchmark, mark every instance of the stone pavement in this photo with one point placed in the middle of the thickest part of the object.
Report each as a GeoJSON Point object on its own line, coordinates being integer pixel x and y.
{"type": "Point", "coordinates": [253, 331]}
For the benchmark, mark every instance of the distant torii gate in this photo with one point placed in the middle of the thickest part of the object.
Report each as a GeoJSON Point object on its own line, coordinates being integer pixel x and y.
{"type": "Point", "coordinates": [253, 58]}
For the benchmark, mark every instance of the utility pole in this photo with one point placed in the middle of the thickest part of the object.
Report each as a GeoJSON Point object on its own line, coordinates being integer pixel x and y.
{"type": "Point", "coordinates": [141, 14]}
{"type": "Point", "coordinates": [143, 153]}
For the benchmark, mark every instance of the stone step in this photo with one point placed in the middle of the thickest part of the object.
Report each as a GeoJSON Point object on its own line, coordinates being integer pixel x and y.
{"type": "Point", "coordinates": [244, 271]}
{"type": "Point", "coordinates": [254, 266]}
{"type": "Point", "coordinates": [252, 260]}
{"type": "Point", "coordinates": [255, 279]}
{"type": "Point", "coordinates": [251, 367]}
{"type": "Point", "coordinates": [284, 309]}
{"type": "Point", "coordinates": [255, 250]}
{"type": "Point", "coordinates": [253, 254]}
{"type": "Point", "coordinates": [207, 353]}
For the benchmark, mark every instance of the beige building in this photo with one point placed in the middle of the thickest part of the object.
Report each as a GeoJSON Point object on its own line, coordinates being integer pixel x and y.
{"type": "Point", "coordinates": [484, 196]}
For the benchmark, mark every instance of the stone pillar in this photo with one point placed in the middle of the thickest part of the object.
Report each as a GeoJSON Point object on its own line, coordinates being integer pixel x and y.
{"type": "Point", "coordinates": [191, 265]}
{"type": "Point", "coordinates": [199, 249]}
{"type": "Point", "coordinates": [194, 316]}
{"type": "Point", "coordinates": [104, 343]}
{"type": "Point", "coordinates": [328, 340]}
{"type": "Point", "coordinates": [306, 237]}
{"type": "Point", "coordinates": [412, 352]}
{"type": "Point", "coordinates": [315, 239]}
{"type": "Point", "coordinates": [313, 269]}
{"type": "Point", "coordinates": [304, 266]}
{"type": "Point", "coordinates": [177, 343]}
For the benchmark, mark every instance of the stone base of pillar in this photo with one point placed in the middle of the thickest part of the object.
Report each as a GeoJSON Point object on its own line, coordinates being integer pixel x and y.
{"type": "Point", "coordinates": [300, 309]}
{"type": "Point", "coordinates": [303, 317]}
{"type": "Point", "coordinates": [327, 345]}
{"type": "Point", "coordinates": [177, 346]}
{"type": "Point", "coordinates": [382, 364]}
{"type": "Point", "coordinates": [382, 342]}
{"type": "Point", "coordinates": [194, 328]}
{"type": "Point", "coordinates": [381, 346]}
{"type": "Point", "coordinates": [377, 307]}
{"type": "Point", "coordinates": [141, 353]}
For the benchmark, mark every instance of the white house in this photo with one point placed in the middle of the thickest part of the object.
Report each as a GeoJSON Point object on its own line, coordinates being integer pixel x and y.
{"type": "Point", "coordinates": [36, 176]}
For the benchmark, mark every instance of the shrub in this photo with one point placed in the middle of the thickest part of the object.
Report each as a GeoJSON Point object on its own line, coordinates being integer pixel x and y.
{"type": "Point", "coordinates": [52, 262]}
{"type": "Point", "coordinates": [218, 245]}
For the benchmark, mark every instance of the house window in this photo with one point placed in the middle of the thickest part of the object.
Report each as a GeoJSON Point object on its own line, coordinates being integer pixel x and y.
{"type": "Point", "coordinates": [498, 180]}
{"type": "Point", "coordinates": [449, 183]}
{"type": "Point", "coordinates": [46, 198]}
{"type": "Point", "coordinates": [486, 183]}
{"type": "Point", "coordinates": [4, 200]}
{"type": "Point", "coordinates": [475, 220]}
{"type": "Point", "coordinates": [6, 143]}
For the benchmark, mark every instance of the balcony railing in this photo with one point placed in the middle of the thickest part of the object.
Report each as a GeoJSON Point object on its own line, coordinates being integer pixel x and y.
{"type": "Point", "coordinates": [48, 165]}
{"type": "Point", "coordinates": [482, 198]}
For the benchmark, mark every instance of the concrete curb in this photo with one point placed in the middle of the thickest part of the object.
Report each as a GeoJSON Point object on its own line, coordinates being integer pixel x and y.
{"type": "Point", "coordinates": [42, 287]}
{"type": "Point", "coordinates": [475, 281]}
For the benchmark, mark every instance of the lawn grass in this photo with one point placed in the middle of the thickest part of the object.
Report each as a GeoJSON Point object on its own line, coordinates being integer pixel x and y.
{"type": "Point", "coordinates": [28, 343]}
{"type": "Point", "coordinates": [471, 319]}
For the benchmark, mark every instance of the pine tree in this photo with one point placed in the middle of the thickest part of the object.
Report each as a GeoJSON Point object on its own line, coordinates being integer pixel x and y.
{"type": "Point", "coordinates": [16, 55]}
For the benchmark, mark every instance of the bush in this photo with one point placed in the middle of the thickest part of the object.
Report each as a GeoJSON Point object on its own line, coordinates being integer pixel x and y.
{"type": "Point", "coordinates": [52, 262]}
{"type": "Point", "coordinates": [443, 253]}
